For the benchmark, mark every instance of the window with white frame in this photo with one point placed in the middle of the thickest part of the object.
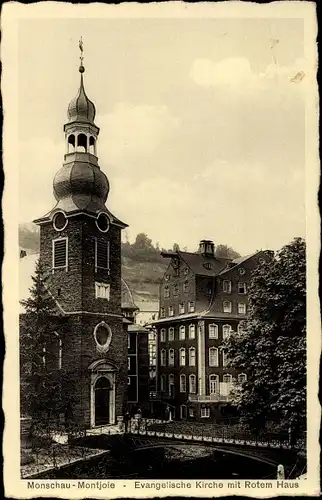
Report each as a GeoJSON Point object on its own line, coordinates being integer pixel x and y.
{"type": "Point", "coordinates": [171, 384]}
{"type": "Point", "coordinates": [191, 306]}
{"type": "Point", "coordinates": [226, 286]}
{"type": "Point", "coordinates": [192, 331]}
{"type": "Point", "coordinates": [182, 332]}
{"type": "Point", "coordinates": [171, 310]}
{"type": "Point", "coordinates": [129, 363]}
{"type": "Point", "coordinates": [213, 384]}
{"type": "Point", "coordinates": [181, 308]}
{"type": "Point", "coordinates": [166, 292]}
{"type": "Point", "coordinates": [213, 331]}
{"type": "Point", "coordinates": [163, 335]}
{"type": "Point", "coordinates": [241, 287]}
{"type": "Point", "coordinates": [240, 328]}
{"type": "Point", "coordinates": [192, 384]}
{"type": "Point", "coordinates": [60, 253]}
{"type": "Point", "coordinates": [227, 378]}
{"type": "Point", "coordinates": [241, 308]}
{"type": "Point", "coordinates": [102, 291]}
{"type": "Point", "coordinates": [192, 356]}
{"type": "Point", "coordinates": [226, 330]}
{"type": "Point", "coordinates": [242, 377]}
{"type": "Point", "coordinates": [183, 383]}
{"type": "Point", "coordinates": [162, 383]}
{"type": "Point", "coordinates": [205, 412]}
{"type": "Point", "coordinates": [128, 341]}
{"type": "Point", "coordinates": [171, 334]}
{"type": "Point", "coordinates": [182, 356]}
{"type": "Point", "coordinates": [163, 357]}
{"type": "Point", "coordinates": [171, 357]}
{"type": "Point", "coordinates": [162, 312]}
{"type": "Point", "coordinates": [213, 356]}
{"type": "Point", "coordinates": [175, 290]}
{"type": "Point", "coordinates": [186, 287]}
{"type": "Point", "coordinates": [227, 307]}
{"type": "Point", "coordinates": [102, 254]}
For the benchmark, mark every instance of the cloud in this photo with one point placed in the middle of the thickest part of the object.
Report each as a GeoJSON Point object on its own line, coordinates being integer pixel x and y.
{"type": "Point", "coordinates": [236, 74]}
{"type": "Point", "coordinates": [135, 130]}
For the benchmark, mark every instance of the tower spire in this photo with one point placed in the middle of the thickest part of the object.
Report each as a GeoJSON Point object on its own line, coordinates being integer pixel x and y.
{"type": "Point", "coordinates": [81, 48]}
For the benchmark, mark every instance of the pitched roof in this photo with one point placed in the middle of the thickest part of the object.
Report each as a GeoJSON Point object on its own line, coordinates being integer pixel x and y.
{"type": "Point", "coordinates": [196, 263]}
{"type": "Point", "coordinates": [237, 262]}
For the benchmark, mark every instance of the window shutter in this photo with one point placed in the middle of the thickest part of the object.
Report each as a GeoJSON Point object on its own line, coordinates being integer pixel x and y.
{"type": "Point", "coordinates": [60, 253]}
{"type": "Point", "coordinates": [102, 254]}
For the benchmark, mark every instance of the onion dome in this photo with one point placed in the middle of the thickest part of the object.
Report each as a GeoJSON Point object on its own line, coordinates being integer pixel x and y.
{"type": "Point", "coordinates": [81, 185]}
{"type": "Point", "coordinates": [81, 109]}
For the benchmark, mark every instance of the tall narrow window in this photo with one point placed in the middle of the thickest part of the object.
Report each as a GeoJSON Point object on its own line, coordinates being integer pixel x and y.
{"type": "Point", "coordinates": [175, 290]}
{"type": "Point", "coordinates": [171, 385]}
{"type": "Point", "coordinates": [226, 286]}
{"type": "Point", "coordinates": [226, 330]}
{"type": "Point", "coordinates": [192, 384]}
{"type": "Point", "coordinates": [186, 287]}
{"type": "Point", "coordinates": [213, 356]}
{"type": "Point", "coordinates": [60, 253]}
{"type": "Point", "coordinates": [183, 384]}
{"type": "Point", "coordinates": [241, 287]}
{"type": "Point", "coordinates": [227, 307]}
{"type": "Point", "coordinates": [224, 358]}
{"type": "Point", "coordinates": [242, 378]}
{"type": "Point", "coordinates": [192, 356]}
{"type": "Point", "coordinates": [102, 250]}
{"type": "Point", "coordinates": [60, 354]}
{"type": "Point", "coordinates": [163, 357]}
{"type": "Point", "coordinates": [162, 312]}
{"type": "Point", "coordinates": [181, 308]}
{"type": "Point", "coordinates": [213, 384]}
{"type": "Point", "coordinates": [213, 331]}
{"type": "Point", "coordinates": [166, 292]}
{"type": "Point", "coordinates": [162, 383]}
{"type": "Point", "coordinates": [163, 335]}
{"type": "Point", "coordinates": [182, 356]}
{"type": "Point", "coordinates": [44, 356]}
{"type": "Point", "coordinates": [192, 331]}
{"type": "Point", "coordinates": [171, 357]}
{"type": "Point", "coordinates": [171, 334]}
{"type": "Point", "coordinates": [182, 332]}
{"type": "Point", "coordinates": [171, 310]}
{"type": "Point", "coordinates": [227, 379]}
{"type": "Point", "coordinates": [128, 341]}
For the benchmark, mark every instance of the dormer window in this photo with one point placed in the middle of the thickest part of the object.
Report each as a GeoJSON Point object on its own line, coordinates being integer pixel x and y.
{"type": "Point", "coordinates": [186, 271]}
{"type": "Point", "coordinates": [207, 265]}
{"type": "Point", "coordinates": [226, 286]}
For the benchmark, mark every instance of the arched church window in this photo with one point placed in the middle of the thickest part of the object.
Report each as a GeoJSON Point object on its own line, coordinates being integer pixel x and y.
{"type": "Point", "coordinates": [82, 143]}
{"type": "Point", "coordinates": [71, 143]}
{"type": "Point", "coordinates": [92, 145]}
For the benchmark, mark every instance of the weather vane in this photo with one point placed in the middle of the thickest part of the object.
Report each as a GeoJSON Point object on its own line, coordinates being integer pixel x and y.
{"type": "Point", "coordinates": [81, 48]}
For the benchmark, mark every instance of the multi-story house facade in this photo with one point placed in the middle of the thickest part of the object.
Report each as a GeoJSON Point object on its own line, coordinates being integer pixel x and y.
{"type": "Point", "coordinates": [203, 299]}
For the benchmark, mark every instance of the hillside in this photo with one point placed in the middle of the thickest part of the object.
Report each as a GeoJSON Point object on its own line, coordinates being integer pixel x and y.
{"type": "Point", "coordinates": [142, 264]}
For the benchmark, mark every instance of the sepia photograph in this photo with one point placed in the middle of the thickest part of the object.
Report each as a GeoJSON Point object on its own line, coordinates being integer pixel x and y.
{"type": "Point", "coordinates": [162, 176]}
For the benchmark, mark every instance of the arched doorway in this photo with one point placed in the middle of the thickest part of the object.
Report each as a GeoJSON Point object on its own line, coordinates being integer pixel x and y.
{"type": "Point", "coordinates": [102, 390]}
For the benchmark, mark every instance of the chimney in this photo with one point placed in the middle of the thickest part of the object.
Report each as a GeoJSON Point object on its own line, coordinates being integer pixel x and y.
{"type": "Point", "coordinates": [207, 248]}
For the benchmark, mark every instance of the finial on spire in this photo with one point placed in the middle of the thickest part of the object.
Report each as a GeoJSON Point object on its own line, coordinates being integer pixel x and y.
{"type": "Point", "coordinates": [81, 48]}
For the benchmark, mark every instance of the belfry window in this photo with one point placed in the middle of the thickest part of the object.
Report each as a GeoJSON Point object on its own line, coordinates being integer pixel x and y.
{"type": "Point", "coordinates": [60, 253]}
{"type": "Point", "coordinates": [102, 254]}
{"type": "Point", "coordinates": [92, 148]}
{"type": "Point", "coordinates": [82, 143]}
{"type": "Point", "coordinates": [71, 143]}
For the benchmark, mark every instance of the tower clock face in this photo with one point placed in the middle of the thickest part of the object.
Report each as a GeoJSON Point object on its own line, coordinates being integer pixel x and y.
{"type": "Point", "coordinates": [103, 223]}
{"type": "Point", "coordinates": [60, 221]}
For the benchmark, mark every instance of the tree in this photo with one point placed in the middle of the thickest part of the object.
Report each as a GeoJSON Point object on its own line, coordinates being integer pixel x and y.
{"type": "Point", "coordinates": [42, 379]}
{"type": "Point", "coordinates": [226, 252]}
{"type": "Point", "coordinates": [271, 348]}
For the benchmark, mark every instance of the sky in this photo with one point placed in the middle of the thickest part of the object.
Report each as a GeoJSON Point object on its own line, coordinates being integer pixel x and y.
{"type": "Point", "coordinates": [202, 123]}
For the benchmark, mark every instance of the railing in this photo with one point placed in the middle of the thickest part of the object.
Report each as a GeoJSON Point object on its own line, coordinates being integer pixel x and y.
{"type": "Point", "coordinates": [204, 398]}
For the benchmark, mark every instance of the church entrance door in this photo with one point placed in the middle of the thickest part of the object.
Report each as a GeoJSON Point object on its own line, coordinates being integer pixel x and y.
{"type": "Point", "coordinates": [102, 401]}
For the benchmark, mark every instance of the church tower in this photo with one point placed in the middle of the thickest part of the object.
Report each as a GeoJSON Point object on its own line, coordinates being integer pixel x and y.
{"type": "Point", "coordinates": [80, 251]}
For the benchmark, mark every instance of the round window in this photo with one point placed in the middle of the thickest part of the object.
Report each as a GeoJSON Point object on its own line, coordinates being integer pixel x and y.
{"type": "Point", "coordinates": [261, 260]}
{"type": "Point", "coordinates": [103, 222]}
{"type": "Point", "coordinates": [102, 335]}
{"type": "Point", "coordinates": [60, 221]}
{"type": "Point", "coordinates": [241, 271]}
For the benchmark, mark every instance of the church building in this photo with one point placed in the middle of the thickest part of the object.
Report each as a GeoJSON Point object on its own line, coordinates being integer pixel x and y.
{"type": "Point", "coordinates": [80, 253]}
